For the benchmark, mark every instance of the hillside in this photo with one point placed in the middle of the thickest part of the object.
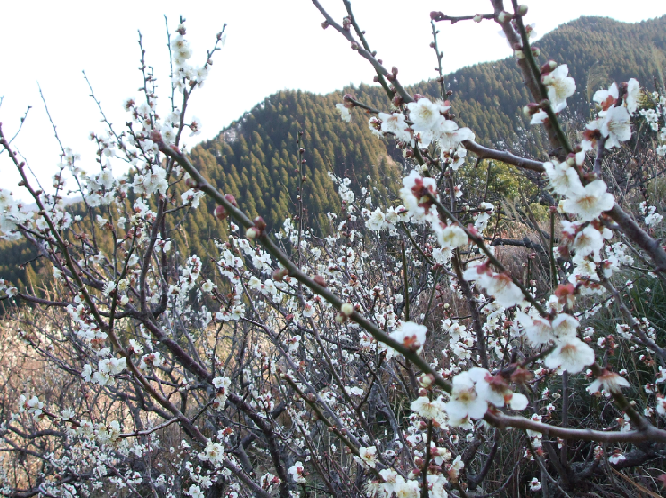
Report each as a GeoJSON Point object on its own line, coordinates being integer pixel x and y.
{"type": "Point", "coordinates": [255, 157]}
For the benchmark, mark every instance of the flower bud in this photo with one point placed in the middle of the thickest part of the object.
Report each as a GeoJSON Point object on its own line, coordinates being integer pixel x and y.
{"type": "Point", "coordinates": [522, 10]}
{"type": "Point", "coordinates": [548, 66]}
{"type": "Point", "coordinates": [156, 136]}
{"type": "Point", "coordinates": [278, 275]}
{"type": "Point", "coordinates": [503, 17]}
{"type": "Point", "coordinates": [231, 199]}
{"type": "Point", "coordinates": [319, 280]}
{"type": "Point", "coordinates": [536, 52]}
{"type": "Point", "coordinates": [220, 213]}
{"type": "Point", "coordinates": [251, 233]}
{"type": "Point", "coordinates": [478, 18]}
{"type": "Point", "coordinates": [259, 223]}
{"type": "Point", "coordinates": [531, 109]}
{"type": "Point", "coordinates": [347, 308]}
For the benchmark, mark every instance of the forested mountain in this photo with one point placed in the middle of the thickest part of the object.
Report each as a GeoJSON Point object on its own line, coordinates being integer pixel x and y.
{"type": "Point", "coordinates": [255, 157]}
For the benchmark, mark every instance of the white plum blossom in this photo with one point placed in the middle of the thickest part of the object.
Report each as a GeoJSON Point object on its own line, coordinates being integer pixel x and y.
{"type": "Point", "coordinates": [572, 355]}
{"type": "Point", "coordinates": [590, 203]}
{"type": "Point", "coordinates": [560, 86]}
{"type": "Point", "coordinates": [344, 112]}
{"type": "Point", "coordinates": [588, 241]}
{"type": "Point", "coordinates": [213, 452]}
{"type": "Point", "coordinates": [426, 115]}
{"type": "Point", "coordinates": [395, 124]}
{"type": "Point", "coordinates": [650, 213]}
{"type": "Point", "coordinates": [535, 485]}
{"type": "Point", "coordinates": [296, 472]}
{"type": "Point", "coordinates": [615, 126]}
{"type": "Point", "coordinates": [518, 401]}
{"type": "Point", "coordinates": [411, 335]}
{"type": "Point", "coordinates": [450, 236]}
{"type": "Point", "coordinates": [450, 135]}
{"type": "Point", "coordinates": [609, 381]}
{"type": "Point", "coordinates": [466, 396]}
{"type": "Point", "coordinates": [606, 98]}
{"type": "Point", "coordinates": [631, 99]}
{"type": "Point", "coordinates": [564, 179]}
{"type": "Point", "coordinates": [377, 221]}
{"type": "Point", "coordinates": [429, 409]}
{"type": "Point", "coordinates": [368, 455]}
{"type": "Point", "coordinates": [415, 194]}
{"type": "Point", "coordinates": [195, 491]}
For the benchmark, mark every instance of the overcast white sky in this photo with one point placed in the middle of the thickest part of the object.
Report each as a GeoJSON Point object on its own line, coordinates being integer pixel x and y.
{"type": "Point", "coordinates": [270, 45]}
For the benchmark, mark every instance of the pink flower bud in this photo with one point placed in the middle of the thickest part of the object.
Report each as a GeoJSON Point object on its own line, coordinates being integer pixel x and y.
{"type": "Point", "coordinates": [548, 66]}
{"type": "Point", "coordinates": [220, 213]}
{"type": "Point", "coordinates": [259, 223]}
{"type": "Point", "coordinates": [231, 199]}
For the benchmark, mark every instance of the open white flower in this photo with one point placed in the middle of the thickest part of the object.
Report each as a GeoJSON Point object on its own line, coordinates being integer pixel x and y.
{"type": "Point", "coordinates": [426, 115]}
{"type": "Point", "coordinates": [588, 241]}
{"type": "Point", "coordinates": [296, 472]}
{"type": "Point", "coordinates": [195, 491]}
{"type": "Point", "coordinates": [571, 355]}
{"type": "Point", "coordinates": [450, 135]}
{"type": "Point", "coordinates": [535, 485]}
{"type": "Point", "coordinates": [411, 335]}
{"type": "Point", "coordinates": [451, 236]}
{"type": "Point", "coordinates": [610, 381]}
{"type": "Point", "coordinates": [563, 178]}
{"type": "Point", "coordinates": [429, 410]}
{"type": "Point", "coordinates": [518, 402]}
{"type": "Point", "coordinates": [606, 98]}
{"type": "Point", "coordinates": [502, 288]}
{"type": "Point", "coordinates": [377, 221]}
{"type": "Point", "coordinates": [368, 455]}
{"type": "Point", "coordinates": [560, 86]}
{"type": "Point", "coordinates": [615, 126]}
{"type": "Point", "coordinates": [633, 91]}
{"type": "Point", "coordinates": [395, 123]}
{"type": "Point", "coordinates": [344, 112]}
{"type": "Point", "coordinates": [466, 402]}
{"type": "Point", "coordinates": [416, 192]}
{"type": "Point", "coordinates": [593, 201]}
